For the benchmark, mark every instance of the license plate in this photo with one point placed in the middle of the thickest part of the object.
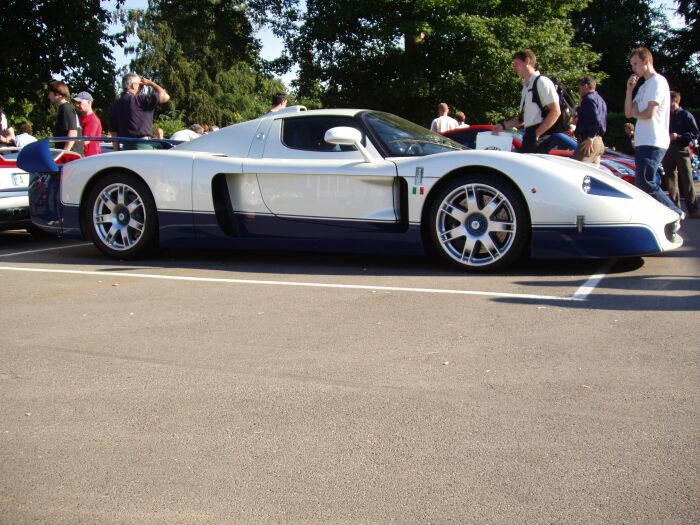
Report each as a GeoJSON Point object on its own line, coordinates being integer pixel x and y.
{"type": "Point", "coordinates": [20, 179]}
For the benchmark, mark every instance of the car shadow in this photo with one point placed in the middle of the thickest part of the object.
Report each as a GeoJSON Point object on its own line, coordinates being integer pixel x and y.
{"type": "Point", "coordinates": [297, 263]}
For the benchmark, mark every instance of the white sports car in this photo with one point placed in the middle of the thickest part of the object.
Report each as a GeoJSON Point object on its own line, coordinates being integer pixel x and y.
{"type": "Point", "coordinates": [345, 180]}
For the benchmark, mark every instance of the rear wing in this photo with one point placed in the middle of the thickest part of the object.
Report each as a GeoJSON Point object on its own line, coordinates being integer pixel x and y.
{"type": "Point", "coordinates": [154, 143]}
{"type": "Point", "coordinates": [40, 157]}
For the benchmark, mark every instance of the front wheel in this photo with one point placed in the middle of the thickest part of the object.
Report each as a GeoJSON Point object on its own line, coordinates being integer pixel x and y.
{"type": "Point", "coordinates": [120, 217]}
{"type": "Point", "coordinates": [478, 223]}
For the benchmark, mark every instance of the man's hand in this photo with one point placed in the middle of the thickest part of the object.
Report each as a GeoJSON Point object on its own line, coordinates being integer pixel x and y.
{"type": "Point", "coordinates": [586, 146]}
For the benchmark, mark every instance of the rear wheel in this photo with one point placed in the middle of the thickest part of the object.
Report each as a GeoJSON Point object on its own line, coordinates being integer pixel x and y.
{"type": "Point", "coordinates": [478, 223]}
{"type": "Point", "coordinates": [120, 217]}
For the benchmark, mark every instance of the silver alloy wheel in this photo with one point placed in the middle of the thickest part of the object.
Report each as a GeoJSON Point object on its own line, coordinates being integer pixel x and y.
{"type": "Point", "coordinates": [119, 216]}
{"type": "Point", "coordinates": [476, 224]}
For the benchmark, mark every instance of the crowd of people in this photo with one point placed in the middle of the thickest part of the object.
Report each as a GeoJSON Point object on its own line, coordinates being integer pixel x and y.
{"type": "Point", "coordinates": [662, 136]}
{"type": "Point", "coordinates": [130, 117]}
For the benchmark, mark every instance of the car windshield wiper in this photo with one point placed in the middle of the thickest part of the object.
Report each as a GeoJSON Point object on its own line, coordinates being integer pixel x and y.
{"type": "Point", "coordinates": [445, 143]}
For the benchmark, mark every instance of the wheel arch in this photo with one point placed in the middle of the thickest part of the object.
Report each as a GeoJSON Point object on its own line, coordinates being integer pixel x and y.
{"type": "Point", "coordinates": [87, 189]}
{"type": "Point", "coordinates": [466, 170]}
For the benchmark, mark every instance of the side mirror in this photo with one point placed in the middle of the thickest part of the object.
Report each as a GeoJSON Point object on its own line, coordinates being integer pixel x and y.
{"type": "Point", "coordinates": [347, 136]}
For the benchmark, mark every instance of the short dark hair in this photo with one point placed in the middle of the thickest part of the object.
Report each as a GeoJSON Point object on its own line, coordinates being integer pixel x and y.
{"type": "Point", "coordinates": [524, 54]}
{"type": "Point", "coordinates": [59, 88]}
{"type": "Point", "coordinates": [278, 98]}
{"type": "Point", "coordinates": [676, 97]}
{"type": "Point", "coordinates": [587, 81]}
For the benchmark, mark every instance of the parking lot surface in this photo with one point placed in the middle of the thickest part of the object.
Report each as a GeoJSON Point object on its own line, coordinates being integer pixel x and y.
{"type": "Point", "coordinates": [225, 387]}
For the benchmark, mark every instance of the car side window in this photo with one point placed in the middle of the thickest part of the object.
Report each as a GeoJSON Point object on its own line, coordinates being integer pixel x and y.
{"type": "Point", "coordinates": [306, 133]}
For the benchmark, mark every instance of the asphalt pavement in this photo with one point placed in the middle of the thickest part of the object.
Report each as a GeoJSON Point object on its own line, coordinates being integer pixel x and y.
{"type": "Point", "coordinates": [223, 387]}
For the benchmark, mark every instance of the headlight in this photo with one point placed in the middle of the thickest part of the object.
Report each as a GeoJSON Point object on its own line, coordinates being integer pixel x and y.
{"type": "Point", "coordinates": [586, 184]}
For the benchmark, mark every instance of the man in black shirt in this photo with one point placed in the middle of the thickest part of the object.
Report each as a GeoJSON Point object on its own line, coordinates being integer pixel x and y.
{"type": "Point", "coordinates": [679, 174]}
{"type": "Point", "coordinates": [66, 124]}
{"type": "Point", "coordinates": [131, 115]}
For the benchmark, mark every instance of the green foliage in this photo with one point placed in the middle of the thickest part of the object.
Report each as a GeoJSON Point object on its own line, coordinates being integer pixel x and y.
{"type": "Point", "coordinates": [204, 55]}
{"type": "Point", "coordinates": [614, 137]}
{"type": "Point", "coordinates": [406, 56]}
{"type": "Point", "coordinates": [628, 24]}
{"type": "Point", "coordinates": [682, 47]}
{"type": "Point", "coordinates": [44, 39]}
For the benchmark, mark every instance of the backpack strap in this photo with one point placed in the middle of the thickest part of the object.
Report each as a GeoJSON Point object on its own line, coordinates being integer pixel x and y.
{"type": "Point", "coordinates": [536, 96]}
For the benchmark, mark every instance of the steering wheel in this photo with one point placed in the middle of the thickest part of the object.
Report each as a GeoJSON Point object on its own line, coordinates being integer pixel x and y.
{"type": "Point", "coordinates": [414, 149]}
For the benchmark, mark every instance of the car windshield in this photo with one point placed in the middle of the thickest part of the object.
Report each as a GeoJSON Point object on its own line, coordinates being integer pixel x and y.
{"type": "Point", "coordinates": [401, 138]}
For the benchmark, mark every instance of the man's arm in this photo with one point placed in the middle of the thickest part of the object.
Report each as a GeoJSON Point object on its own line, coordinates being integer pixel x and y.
{"type": "Point", "coordinates": [163, 96]}
{"type": "Point", "coordinates": [648, 113]}
{"type": "Point", "coordinates": [630, 107]}
{"type": "Point", "coordinates": [549, 120]}
{"type": "Point", "coordinates": [69, 145]}
{"type": "Point", "coordinates": [691, 128]}
{"type": "Point", "coordinates": [115, 145]}
{"type": "Point", "coordinates": [514, 122]}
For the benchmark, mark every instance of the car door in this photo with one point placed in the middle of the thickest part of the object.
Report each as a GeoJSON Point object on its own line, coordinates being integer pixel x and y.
{"type": "Point", "coordinates": [302, 177]}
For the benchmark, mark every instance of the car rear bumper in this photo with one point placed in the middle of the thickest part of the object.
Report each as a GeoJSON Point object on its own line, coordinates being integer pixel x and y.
{"type": "Point", "coordinates": [14, 209]}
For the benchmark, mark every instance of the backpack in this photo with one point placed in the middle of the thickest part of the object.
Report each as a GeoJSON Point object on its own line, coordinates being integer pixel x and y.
{"type": "Point", "coordinates": [566, 105]}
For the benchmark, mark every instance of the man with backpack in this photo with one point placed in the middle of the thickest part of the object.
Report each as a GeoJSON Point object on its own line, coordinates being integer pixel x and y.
{"type": "Point", "coordinates": [539, 105]}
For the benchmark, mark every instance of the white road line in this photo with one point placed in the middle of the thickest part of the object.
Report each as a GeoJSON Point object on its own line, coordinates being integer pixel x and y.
{"type": "Point", "coordinates": [587, 288]}
{"type": "Point", "coordinates": [46, 249]}
{"type": "Point", "coordinates": [114, 275]}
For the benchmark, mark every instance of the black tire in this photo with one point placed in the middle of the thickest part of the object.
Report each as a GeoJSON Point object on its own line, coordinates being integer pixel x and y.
{"type": "Point", "coordinates": [120, 217]}
{"type": "Point", "coordinates": [479, 223]}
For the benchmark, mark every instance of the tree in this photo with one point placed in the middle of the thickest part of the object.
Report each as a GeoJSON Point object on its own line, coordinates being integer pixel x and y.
{"type": "Point", "coordinates": [683, 48]}
{"type": "Point", "coordinates": [205, 55]}
{"type": "Point", "coordinates": [405, 56]}
{"type": "Point", "coordinates": [47, 38]}
{"type": "Point", "coordinates": [628, 24]}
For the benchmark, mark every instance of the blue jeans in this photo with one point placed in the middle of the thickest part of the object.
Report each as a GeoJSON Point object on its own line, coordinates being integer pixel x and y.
{"type": "Point", "coordinates": [647, 160]}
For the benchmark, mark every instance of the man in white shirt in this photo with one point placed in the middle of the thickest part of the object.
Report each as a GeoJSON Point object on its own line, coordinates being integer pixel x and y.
{"type": "Point", "coordinates": [25, 136]}
{"type": "Point", "coordinates": [536, 121]}
{"type": "Point", "coordinates": [185, 135]}
{"type": "Point", "coordinates": [651, 106]}
{"type": "Point", "coordinates": [443, 122]}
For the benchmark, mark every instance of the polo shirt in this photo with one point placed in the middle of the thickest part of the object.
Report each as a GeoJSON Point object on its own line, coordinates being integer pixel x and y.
{"type": "Point", "coordinates": [132, 115]}
{"type": "Point", "coordinates": [592, 116]}
{"type": "Point", "coordinates": [683, 124]}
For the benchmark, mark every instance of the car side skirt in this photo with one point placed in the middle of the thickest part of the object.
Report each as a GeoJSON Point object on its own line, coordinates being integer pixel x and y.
{"type": "Point", "coordinates": [261, 231]}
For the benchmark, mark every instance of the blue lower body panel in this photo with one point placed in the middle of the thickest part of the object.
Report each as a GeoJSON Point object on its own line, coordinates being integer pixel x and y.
{"type": "Point", "coordinates": [269, 232]}
{"type": "Point", "coordinates": [594, 241]}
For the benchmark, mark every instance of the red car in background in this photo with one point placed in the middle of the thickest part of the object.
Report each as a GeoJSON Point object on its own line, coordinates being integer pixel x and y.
{"type": "Point", "coordinates": [618, 164]}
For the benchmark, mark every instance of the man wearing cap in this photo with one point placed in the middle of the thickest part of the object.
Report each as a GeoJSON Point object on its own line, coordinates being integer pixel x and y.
{"type": "Point", "coordinates": [131, 115]}
{"type": "Point", "coordinates": [89, 121]}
